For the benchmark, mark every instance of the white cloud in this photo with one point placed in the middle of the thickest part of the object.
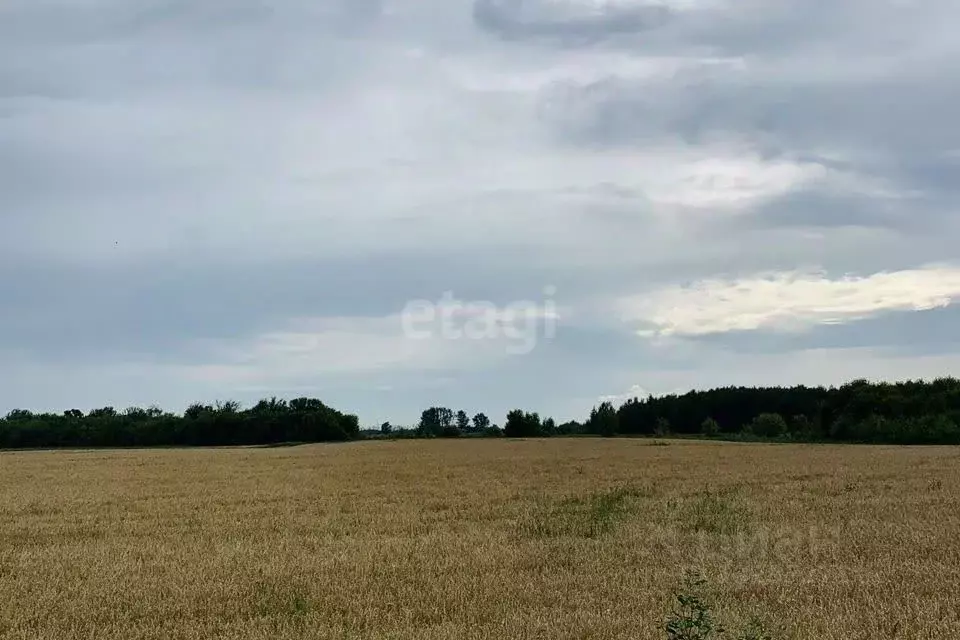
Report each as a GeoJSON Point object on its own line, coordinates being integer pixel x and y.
{"type": "Point", "coordinates": [635, 391]}
{"type": "Point", "coordinates": [787, 301]}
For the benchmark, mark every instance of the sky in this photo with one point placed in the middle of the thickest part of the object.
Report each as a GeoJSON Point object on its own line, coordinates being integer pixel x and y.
{"type": "Point", "coordinates": [592, 199]}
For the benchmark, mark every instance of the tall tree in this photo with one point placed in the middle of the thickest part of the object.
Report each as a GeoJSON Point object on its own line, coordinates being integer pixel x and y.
{"type": "Point", "coordinates": [549, 427]}
{"type": "Point", "coordinates": [434, 421]}
{"type": "Point", "coordinates": [604, 420]}
{"type": "Point", "coordinates": [481, 422]}
{"type": "Point", "coordinates": [521, 424]}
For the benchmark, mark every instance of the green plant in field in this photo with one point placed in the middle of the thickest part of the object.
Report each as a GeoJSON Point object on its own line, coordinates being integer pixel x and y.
{"type": "Point", "coordinates": [691, 618]}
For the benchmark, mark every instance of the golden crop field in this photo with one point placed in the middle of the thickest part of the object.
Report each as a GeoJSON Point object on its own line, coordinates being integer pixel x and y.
{"type": "Point", "coordinates": [495, 539]}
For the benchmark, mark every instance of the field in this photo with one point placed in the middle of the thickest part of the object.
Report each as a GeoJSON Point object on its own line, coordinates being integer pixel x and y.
{"type": "Point", "coordinates": [553, 539]}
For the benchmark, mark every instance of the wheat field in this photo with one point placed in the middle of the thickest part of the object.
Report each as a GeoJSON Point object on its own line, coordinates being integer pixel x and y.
{"type": "Point", "coordinates": [495, 539]}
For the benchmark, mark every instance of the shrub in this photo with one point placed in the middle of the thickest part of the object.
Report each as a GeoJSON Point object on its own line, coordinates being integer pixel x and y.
{"type": "Point", "coordinates": [691, 618]}
{"type": "Point", "coordinates": [710, 427]}
{"type": "Point", "coordinates": [769, 425]}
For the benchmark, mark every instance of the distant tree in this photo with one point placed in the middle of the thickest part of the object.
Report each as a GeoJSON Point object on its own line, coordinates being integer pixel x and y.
{"type": "Point", "coordinates": [481, 422]}
{"type": "Point", "coordinates": [272, 406]}
{"type": "Point", "coordinates": [604, 420]}
{"type": "Point", "coordinates": [769, 425]}
{"type": "Point", "coordinates": [549, 427]}
{"type": "Point", "coordinates": [521, 424]}
{"type": "Point", "coordinates": [446, 417]}
{"type": "Point", "coordinates": [909, 412]}
{"type": "Point", "coordinates": [709, 427]}
{"type": "Point", "coordinates": [451, 431]}
{"type": "Point", "coordinates": [801, 427]}
{"type": "Point", "coordinates": [429, 424]}
{"type": "Point", "coordinates": [663, 427]}
{"type": "Point", "coordinates": [308, 405]}
{"type": "Point", "coordinates": [463, 421]}
{"type": "Point", "coordinates": [136, 413]}
{"type": "Point", "coordinates": [197, 411]}
{"type": "Point", "coordinates": [201, 425]}
{"type": "Point", "coordinates": [571, 427]}
{"type": "Point", "coordinates": [228, 407]}
{"type": "Point", "coordinates": [386, 428]}
{"type": "Point", "coordinates": [434, 421]}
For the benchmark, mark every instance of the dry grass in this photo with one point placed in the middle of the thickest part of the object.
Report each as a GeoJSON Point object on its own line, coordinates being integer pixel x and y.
{"type": "Point", "coordinates": [486, 539]}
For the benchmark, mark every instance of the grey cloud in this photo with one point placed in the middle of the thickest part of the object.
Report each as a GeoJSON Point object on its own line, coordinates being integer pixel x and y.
{"type": "Point", "coordinates": [506, 18]}
{"type": "Point", "coordinates": [172, 172]}
{"type": "Point", "coordinates": [903, 112]}
{"type": "Point", "coordinates": [814, 207]}
{"type": "Point", "coordinates": [882, 120]}
{"type": "Point", "coordinates": [905, 333]}
{"type": "Point", "coordinates": [167, 308]}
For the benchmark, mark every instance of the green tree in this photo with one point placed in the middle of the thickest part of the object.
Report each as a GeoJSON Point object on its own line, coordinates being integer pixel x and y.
{"type": "Point", "coordinates": [710, 428]}
{"type": "Point", "coordinates": [663, 427]}
{"type": "Point", "coordinates": [434, 421]}
{"type": "Point", "coordinates": [521, 424]}
{"type": "Point", "coordinates": [604, 420]}
{"type": "Point", "coordinates": [228, 407]}
{"type": "Point", "coordinates": [105, 412]}
{"type": "Point", "coordinates": [570, 428]}
{"type": "Point", "coordinates": [769, 425]}
{"type": "Point", "coordinates": [481, 422]}
{"type": "Point", "coordinates": [549, 427]}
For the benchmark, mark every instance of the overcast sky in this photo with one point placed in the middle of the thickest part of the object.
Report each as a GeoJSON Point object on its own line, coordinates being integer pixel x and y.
{"type": "Point", "coordinates": [232, 199]}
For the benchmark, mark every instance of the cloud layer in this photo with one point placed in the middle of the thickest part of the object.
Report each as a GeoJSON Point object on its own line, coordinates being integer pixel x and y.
{"type": "Point", "coordinates": [229, 199]}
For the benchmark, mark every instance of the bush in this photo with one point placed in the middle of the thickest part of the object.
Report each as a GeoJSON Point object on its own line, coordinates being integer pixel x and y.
{"type": "Point", "coordinates": [769, 425]}
{"type": "Point", "coordinates": [692, 619]}
{"type": "Point", "coordinates": [710, 428]}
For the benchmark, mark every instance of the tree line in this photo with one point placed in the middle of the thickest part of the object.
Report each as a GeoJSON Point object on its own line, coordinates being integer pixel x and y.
{"type": "Point", "coordinates": [912, 412]}
{"type": "Point", "coordinates": [223, 424]}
